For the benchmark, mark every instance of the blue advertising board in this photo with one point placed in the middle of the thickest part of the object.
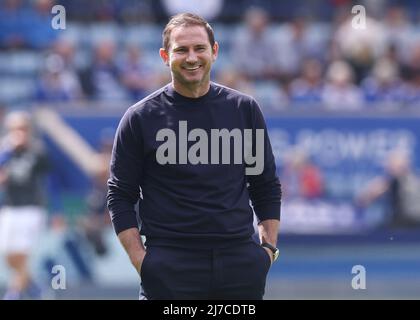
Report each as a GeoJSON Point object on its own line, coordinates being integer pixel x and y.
{"type": "Point", "coordinates": [349, 152]}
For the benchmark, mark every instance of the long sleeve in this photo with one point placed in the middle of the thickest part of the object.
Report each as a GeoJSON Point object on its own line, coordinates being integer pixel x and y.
{"type": "Point", "coordinates": [125, 172]}
{"type": "Point", "coordinates": [264, 189]}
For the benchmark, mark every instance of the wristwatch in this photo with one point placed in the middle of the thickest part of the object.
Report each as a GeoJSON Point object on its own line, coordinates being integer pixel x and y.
{"type": "Point", "coordinates": [273, 249]}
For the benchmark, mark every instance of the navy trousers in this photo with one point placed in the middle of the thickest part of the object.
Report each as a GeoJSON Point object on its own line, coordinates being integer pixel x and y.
{"type": "Point", "coordinates": [234, 272]}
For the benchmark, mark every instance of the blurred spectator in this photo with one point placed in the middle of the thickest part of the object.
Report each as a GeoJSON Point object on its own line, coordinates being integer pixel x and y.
{"type": "Point", "coordinates": [75, 12]}
{"type": "Point", "coordinates": [127, 11]}
{"type": "Point", "coordinates": [106, 10]}
{"type": "Point", "coordinates": [400, 186]}
{"type": "Point", "coordinates": [56, 83]}
{"type": "Point", "coordinates": [135, 75]}
{"type": "Point", "coordinates": [295, 43]}
{"type": "Point", "coordinates": [23, 26]}
{"type": "Point", "coordinates": [3, 110]}
{"type": "Point", "coordinates": [384, 85]}
{"type": "Point", "coordinates": [102, 80]}
{"type": "Point", "coordinates": [301, 178]}
{"type": "Point", "coordinates": [411, 72]}
{"type": "Point", "coordinates": [233, 79]}
{"type": "Point", "coordinates": [340, 93]}
{"type": "Point", "coordinates": [271, 96]}
{"type": "Point", "coordinates": [360, 47]}
{"type": "Point", "coordinates": [333, 52]}
{"type": "Point", "coordinates": [399, 31]}
{"type": "Point", "coordinates": [267, 57]}
{"type": "Point", "coordinates": [23, 165]}
{"type": "Point", "coordinates": [208, 9]}
{"type": "Point", "coordinates": [391, 54]}
{"type": "Point", "coordinates": [13, 24]}
{"type": "Point", "coordinates": [307, 89]}
{"type": "Point", "coordinates": [97, 219]}
{"type": "Point", "coordinates": [40, 34]}
{"type": "Point", "coordinates": [66, 50]}
{"type": "Point", "coordinates": [134, 11]}
{"type": "Point", "coordinates": [253, 51]}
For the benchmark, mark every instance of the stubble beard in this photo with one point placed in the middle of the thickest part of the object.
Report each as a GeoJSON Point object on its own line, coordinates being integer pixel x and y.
{"type": "Point", "coordinates": [184, 81]}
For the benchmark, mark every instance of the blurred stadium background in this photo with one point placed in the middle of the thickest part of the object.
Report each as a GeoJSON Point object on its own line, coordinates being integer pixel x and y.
{"type": "Point", "coordinates": [342, 106]}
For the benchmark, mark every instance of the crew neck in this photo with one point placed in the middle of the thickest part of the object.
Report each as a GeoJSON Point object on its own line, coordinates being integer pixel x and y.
{"type": "Point", "coordinates": [176, 96]}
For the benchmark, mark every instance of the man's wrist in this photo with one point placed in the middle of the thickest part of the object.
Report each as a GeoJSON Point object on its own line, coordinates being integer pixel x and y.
{"type": "Point", "coordinates": [274, 252]}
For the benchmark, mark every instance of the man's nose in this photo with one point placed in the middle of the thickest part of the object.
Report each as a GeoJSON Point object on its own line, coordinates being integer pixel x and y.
{"type": "Point", "coordinates": [192, 57]}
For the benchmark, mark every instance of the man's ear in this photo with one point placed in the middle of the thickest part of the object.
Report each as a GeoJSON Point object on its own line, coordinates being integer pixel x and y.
{"type": "Point", "coordinates": [215, 50]}
{"type": "Point", "coordinates": [164, 55]}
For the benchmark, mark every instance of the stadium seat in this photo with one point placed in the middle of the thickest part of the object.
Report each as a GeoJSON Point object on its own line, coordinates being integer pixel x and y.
{"type": "Point", "coordinates": [20, 62]}
{"type": "Point", "coordinates": [103, 32]}
{"type": "Point", "coordinates": [147, 36]}
{"type": "Point", "coordinates": [15, 90]}
{"type": "Point", "coordinates": [74, 33]}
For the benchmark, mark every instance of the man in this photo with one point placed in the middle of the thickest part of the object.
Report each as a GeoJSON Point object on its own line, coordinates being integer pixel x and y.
{"type": "Point", "coordinates": [194, 194]}
{"type": "Point", "coordinates": [399, 187]}
{"type": "Point", "coordinates": [23, 164]}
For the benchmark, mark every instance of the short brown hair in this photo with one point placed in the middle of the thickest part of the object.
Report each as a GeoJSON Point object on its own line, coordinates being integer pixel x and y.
{"type": "Point", "coordinates": [186, 20]}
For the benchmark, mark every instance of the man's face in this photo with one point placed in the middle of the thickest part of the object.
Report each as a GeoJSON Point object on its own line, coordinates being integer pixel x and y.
{"type": "Point", "coordinates": [190, 56]}
{"type": "Point", "coordinates": [19, 134]}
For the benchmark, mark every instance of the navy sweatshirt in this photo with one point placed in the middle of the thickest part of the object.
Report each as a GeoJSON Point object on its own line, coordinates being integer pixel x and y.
{"type": "Point", "coordinates": [186, 201]}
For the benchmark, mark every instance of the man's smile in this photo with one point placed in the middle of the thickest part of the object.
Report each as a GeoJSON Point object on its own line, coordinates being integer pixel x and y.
{"type": "Point", "coordinates": [192, 68]}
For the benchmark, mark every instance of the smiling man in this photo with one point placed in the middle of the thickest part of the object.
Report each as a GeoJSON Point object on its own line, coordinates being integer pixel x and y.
{"type": "Point", "coordinates": [194, 194]}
